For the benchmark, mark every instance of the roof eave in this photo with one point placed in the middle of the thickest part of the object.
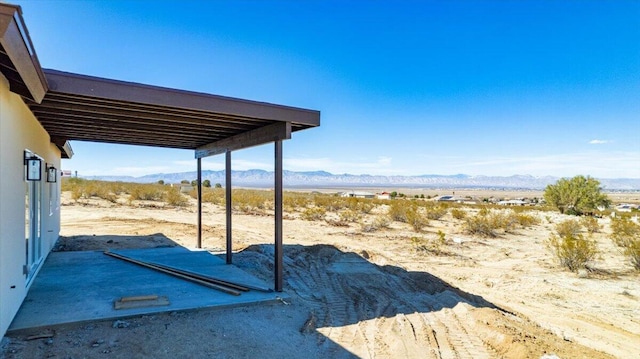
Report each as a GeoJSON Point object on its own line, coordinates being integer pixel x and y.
{"type": "Point", "coordinates": [90, 86]}
{"type": "Point", "coordinates": [18, 60]}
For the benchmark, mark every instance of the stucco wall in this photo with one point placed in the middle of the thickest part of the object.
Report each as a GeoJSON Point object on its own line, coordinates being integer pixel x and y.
{"type": "Point", "coordinates": [19, 130]}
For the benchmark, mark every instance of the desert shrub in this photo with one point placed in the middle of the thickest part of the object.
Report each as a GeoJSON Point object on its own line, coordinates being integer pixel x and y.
{"type": "Point", "coordinates": [421, 244]}
{"type": "Point", "coordinates": [429, 245]}
{"type": "Point", "coordinates": [251, 201]}
{"type": "Point", "coordinates": [69, 183]}
{"type": "Point", "coordinates": [145, 192]}
{"type": "Point", "coordinates": [377, 223]}
{"type": "Point", "coordinates": [511, 220]}
{"type": "Point", "coordinates": [488, 223]}
{"type": "Point", "coordinates": [313, 213]}
{"type": "Point", "coordinates": [572, 250]}
{"type": "Point", "coordinates": [362, 205]}
{"type": "Point", "coordinates": [568, 228]}
{"type": "Point", "coordinates": [591, 224]}
{"type": "Point", "coordinates": [458, 213]}
{"type": "Point", "coordinates": [173, 197]}
{"type": "Point", "coordinates": [441, 239]}
{"type": "Point", "coordinates": [336, 223]}
{"type": "Point", "coordinates": [89, 189]}
{"type": "Point", "coordinates": [626, 235]}
{"type": "Point", "coordinates": [76, 193]}
{"type": "Point", "coordinates": [329, 203]}
{"type": "Point", "coordinates": [398, 209]}
{"type": "Point", "coordinates": [484, 211]}
{"type": "Point", "coordinates": [105, 190]}
{"type": "Point", "coordinates": [435, 212]}
{"type": "Point", "coordinates": [349, 215]}
{"type": "Point", "coordinates": [106, 194]}
{"type": "Point", "coordinates": [294, 200]}
{"type": "Point", "coordinates": [632, 250]}
{"type": "Point", "coordinates": [416, 219]}
{"type": "Point", "coordinates": [503, 220]}
{"type": "Point", "coordinates": [624, 231]}
{"type": "Point", "coordinates": [525, 220]}
{"type": "Point", "coordinates": [215, 196]}
{"type": "Point", "coordinates": [484, 224]}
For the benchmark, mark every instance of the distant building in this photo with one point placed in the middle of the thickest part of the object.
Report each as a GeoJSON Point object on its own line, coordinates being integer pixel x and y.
{"type": "Point", "coordinates": [626, 207]}
{"type": "Point", "coordinates": [513, 202]}
{"type": "Point", "coordinates": [450, 198]}
{"type": "Point", "coordinates": [358, 194]}
{"type": "Point", "coordinates": [383, 195]}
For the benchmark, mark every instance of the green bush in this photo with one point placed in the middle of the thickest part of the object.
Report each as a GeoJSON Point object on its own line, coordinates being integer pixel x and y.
{"type": "Point", "coordinates": [573, 251]}
{"type": "Point", "coordinates": [577, 195]}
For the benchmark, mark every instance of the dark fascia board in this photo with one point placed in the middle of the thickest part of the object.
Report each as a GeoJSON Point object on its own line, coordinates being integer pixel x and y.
{"type": "Point", "coordinates": [82, 85]}
{"type": "Point", "coordinates": [274, 132]}
{"type": "Point", "coordinates": [16, 42]}
{"type": "Point", "coordinates": [64, 146]}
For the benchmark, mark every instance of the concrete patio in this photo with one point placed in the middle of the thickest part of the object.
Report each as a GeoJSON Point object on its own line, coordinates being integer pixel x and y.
{"type": "Point", "coordinates": [74, 287]}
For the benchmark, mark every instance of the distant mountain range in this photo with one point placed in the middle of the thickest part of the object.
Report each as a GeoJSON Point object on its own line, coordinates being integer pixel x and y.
{"type": "Point", "coordinates": [322, 179]}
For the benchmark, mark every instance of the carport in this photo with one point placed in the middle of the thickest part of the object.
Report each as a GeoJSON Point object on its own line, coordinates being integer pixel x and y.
{"type": "Point", "coordinates": [86, 108]}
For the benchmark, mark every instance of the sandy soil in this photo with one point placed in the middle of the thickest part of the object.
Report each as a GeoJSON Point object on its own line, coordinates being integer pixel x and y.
{"type": "Point", "coordinates": [356, 294]}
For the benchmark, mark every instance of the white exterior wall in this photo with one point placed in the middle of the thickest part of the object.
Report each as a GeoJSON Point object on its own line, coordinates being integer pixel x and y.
{"type": "Point", "coordinates": [19, 131]}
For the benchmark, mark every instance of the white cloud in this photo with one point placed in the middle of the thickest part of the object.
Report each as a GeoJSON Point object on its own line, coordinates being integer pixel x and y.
{"type": "Point", "coordinates": [598, 142]}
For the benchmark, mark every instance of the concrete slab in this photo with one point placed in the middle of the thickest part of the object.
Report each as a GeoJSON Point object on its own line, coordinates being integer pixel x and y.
{"type": "Point", "coordinates": [77, 287]}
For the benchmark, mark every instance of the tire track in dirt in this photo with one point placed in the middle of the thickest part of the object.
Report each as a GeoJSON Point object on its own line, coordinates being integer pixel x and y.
{"type": "Point", "coordinates": [388, 312]}
{"type": "Point", "coordinates": [377, 311]}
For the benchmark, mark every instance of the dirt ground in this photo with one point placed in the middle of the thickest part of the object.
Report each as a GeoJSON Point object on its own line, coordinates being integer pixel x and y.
{"type": "Point", "coordinates": [360, 294]}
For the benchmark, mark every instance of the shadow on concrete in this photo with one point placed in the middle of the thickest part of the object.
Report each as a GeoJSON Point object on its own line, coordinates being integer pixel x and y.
{"type": "Point", "coordinates": [80, 286]}
{"type": "Point", "coordinates": [111, 242]}
{"type": "Point", "coordinates": [330, 288]}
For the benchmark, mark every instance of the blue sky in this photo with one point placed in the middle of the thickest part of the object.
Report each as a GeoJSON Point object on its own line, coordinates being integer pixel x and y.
{"type": "Point", "coordinates": [404, 87]}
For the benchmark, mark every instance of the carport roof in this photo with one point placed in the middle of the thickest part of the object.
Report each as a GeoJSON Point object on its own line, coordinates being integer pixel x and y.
{"type": "Point", "coordinates": [86, 108]}
{"type": "Point", "coordinates": [77, 107]}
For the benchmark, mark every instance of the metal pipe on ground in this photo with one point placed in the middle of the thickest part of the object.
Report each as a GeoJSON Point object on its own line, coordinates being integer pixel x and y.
{"type": "Point", "coordinates": [240, 286]}
{"type": "Point", "coordinates": [219, 287]}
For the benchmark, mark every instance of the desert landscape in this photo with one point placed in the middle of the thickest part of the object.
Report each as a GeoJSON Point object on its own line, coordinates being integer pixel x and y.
{"type": "Point", "coordinates": [362, 284]}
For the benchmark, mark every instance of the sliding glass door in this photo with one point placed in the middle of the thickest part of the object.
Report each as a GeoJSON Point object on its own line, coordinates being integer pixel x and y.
{"type": "Point", "coordinates": [33, 227]}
